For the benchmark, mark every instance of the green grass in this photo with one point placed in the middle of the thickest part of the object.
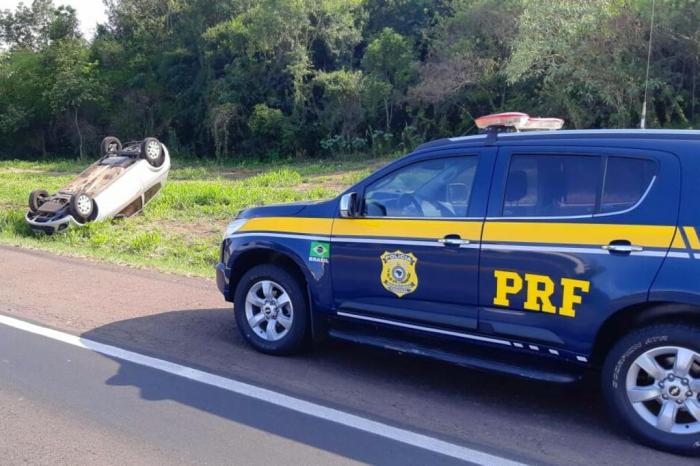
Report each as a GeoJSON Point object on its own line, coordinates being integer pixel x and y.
{"type": "Point", "coordinates": [180, 230]}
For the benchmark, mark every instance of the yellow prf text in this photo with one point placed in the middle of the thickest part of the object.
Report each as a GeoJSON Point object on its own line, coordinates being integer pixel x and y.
{"type": "Point", "coordinates": [538, 291]}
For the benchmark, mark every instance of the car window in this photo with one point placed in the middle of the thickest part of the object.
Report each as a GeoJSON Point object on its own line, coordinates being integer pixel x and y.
{"type": "Point", "coordinates": [552, 185]}
{"type": "Point", "coordinates": [431, 188]}
{"type": "Point", "coordinates": [626, 181]}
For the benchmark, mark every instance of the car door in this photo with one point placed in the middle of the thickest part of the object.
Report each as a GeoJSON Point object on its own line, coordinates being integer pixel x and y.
{"type": "Point", "coordinates": [571, 236]}
{"type": "Point", "coordinates": [411, 256]}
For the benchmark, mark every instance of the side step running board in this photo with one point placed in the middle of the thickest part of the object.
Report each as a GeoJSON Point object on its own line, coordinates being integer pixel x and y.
{"type": "Point", "coordinates": [473, 357]}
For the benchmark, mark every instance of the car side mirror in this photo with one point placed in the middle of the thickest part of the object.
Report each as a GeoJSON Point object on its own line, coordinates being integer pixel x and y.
{"type": "Point", "coordinates": [348, 205]}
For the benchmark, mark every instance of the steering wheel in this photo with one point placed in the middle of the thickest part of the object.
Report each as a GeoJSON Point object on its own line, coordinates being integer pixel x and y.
{"type": "Point", "coordinates": [406, 201]}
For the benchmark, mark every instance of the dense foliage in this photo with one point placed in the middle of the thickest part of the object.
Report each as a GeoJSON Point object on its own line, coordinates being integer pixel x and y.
{"type": "Point", "coordinates": [229, 79]}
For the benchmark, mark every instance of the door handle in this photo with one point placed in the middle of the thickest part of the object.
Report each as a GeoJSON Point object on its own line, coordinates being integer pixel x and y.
{"type": "Point", "coordinates": [622, 248]}
{"type": "Point", "coordinates": [453, 241]}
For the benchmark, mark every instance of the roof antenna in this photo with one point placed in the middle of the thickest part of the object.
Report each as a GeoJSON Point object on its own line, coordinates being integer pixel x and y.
{"type": "Point", "coordinates": [643, 123]}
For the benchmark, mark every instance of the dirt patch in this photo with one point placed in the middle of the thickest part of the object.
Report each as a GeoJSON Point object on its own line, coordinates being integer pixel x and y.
{"type": "Point", "coordinates": [35, 171]}
{"type": "Point", "coordinates": [239, 173]}
{"type": "Point", "coordinates": [194, 229]}
{"type": "Point", "coordinates": [336, 182]}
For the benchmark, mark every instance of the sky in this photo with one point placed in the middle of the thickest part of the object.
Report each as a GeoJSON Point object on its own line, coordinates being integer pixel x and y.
{"type": "Point", "coordinates": [90, 12]}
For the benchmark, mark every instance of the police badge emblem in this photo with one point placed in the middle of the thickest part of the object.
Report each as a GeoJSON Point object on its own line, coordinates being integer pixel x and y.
{"type": "Point", "coordinates": [399, 272]}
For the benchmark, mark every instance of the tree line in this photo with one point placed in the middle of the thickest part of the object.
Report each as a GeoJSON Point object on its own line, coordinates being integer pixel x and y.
{"type": "Point", "coordinates": [233, 79]}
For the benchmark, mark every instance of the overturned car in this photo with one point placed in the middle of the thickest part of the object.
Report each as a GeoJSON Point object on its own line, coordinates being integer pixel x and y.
{"type": "Point", "coordinates": [119, 184]}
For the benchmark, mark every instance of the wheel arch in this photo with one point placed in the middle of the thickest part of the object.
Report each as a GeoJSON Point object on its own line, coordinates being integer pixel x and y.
{"type": "Point", "coordinates": [259, 255]}
{"type": "Point", "coordinates": [638, 315]}
{"type": "Point", "coordinates": [250, 258]}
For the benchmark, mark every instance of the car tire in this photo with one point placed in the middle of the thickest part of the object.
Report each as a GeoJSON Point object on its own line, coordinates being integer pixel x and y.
{"type": "Point", "coordinates": [152, 151]}
{"type": "Point", "coordinates": [110, 146]}
{"type": "Point", "coordinates": [37, 199]}
{"type": "Point", "coordinates": [266, 322]}
{"type": "Point", "coordinates": [82, 207]}
{"type": "Point", "coordinates": [652, 389]}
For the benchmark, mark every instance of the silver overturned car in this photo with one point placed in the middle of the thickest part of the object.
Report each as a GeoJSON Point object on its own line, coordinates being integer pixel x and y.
{"type": "Point", "coordinates": [119, 184]}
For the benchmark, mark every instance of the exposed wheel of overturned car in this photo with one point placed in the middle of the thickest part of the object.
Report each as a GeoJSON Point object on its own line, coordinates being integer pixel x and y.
{"type": "Point", "coordinates": [110, 146]}
{"type": "Point", "coordinates": [81, 206]}
{"type": "Point", "coordinates": [152, 151]}
{"type": "Point", "coordinates": [37, 199]}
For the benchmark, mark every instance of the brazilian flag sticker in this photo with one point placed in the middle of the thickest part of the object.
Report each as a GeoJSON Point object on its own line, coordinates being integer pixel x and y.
{"type": "Point", "coordinates": [319, 252]}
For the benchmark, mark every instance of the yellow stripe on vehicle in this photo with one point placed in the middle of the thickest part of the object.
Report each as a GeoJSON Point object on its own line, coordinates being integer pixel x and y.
{"type": "Point", "coordinates": [656, 236]}
{"type": "Point", "coordinates": [303, 225]}
{"type": "Point", "coordinates": [678, 241]}
{"type": "Point", "coordinates": [652, 236]}
{"type": "Point", "coordinates": [692, 236]}
{"type": "Point", "coordinates": [405, 228]}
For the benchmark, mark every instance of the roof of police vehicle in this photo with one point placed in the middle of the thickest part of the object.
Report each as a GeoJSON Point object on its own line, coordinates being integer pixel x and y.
{"type": "Point", "coordinates": [583, 134]}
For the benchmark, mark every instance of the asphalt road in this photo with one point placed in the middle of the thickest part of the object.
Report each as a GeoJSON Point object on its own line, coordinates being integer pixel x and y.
{"type": "Point", "coordinates": [104, 410]}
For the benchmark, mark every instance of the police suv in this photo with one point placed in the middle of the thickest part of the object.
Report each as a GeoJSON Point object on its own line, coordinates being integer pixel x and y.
{"type": "Point", "coordinates": [539, 254]}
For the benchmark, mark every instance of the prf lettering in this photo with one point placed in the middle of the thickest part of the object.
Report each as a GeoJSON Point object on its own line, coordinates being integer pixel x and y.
{"type": "Point", "coordinates": [538, 292]}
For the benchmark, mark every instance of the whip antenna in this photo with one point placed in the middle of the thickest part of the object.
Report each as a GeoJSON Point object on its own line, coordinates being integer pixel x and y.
{"type": "Point", "coordinates": [643, 123]}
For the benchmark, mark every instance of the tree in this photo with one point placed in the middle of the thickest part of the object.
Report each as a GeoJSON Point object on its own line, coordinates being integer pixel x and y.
{"type": "Point", "coordinates": [28, 26]}
{"type": "Point", "coordinates": [211, 77]}
{"type": "Point", "coordinates": [73, 82]}
{"type": "Point", "coordinates": [390, 66]}
{"type": "Point", "coordinates": [340, 106]}
{"type": "Point", "coordinates": [23, 111]}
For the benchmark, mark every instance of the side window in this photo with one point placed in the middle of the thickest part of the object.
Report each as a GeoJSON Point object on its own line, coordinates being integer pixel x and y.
{"type": "Point", "coordinates": [626, 181]}
{"type": "Point", "coordinates": [552, 185]}
{"type": "Point", "coordinates": [431, 188]}
{"type": "Point", "coordinates": [564, 185]}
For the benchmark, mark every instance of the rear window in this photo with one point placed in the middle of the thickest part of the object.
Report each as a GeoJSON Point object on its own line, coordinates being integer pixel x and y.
{"type": "Point", "coordinates": [570, 185]}
{"type": "Point", "coordinates": [552, 185]}
{"type": "Point", "coordinates": [626, 181]}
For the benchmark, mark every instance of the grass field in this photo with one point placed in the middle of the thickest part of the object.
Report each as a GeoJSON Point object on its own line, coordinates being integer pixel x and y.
{"type": "Point", "coordinates": [180, 230]}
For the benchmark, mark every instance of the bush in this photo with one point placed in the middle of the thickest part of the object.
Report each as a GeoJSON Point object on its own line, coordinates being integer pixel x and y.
{"type": "Point", "coordinates": [343, 145]}
{"type": "Point", "coordinates": [271, 131]}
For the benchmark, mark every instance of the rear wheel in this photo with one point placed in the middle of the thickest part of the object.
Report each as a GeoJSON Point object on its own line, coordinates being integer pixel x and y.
{"type": "Point", "coordinates": [37, 199]}
{"type": "Point", "coordinates": [271, 310]}
{"type": "Point", "coordinates": [152, 151]}
{"type": "Point", "coordinates": [651, 382]}
{"type": "Point", "coordinates": [110, 146]}
{"type": "Point", "coordinates": [82, 206]}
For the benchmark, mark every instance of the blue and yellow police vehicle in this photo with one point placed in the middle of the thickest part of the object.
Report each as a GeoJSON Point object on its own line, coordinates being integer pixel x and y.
{"type": "Point", "coordinates": [541, 254]}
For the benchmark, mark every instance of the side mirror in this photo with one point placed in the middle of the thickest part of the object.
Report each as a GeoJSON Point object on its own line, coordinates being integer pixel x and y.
{"type": "Point", "coordinates": [348, 205]}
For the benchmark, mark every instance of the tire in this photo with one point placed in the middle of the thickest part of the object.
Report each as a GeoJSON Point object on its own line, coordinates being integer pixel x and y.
{"type": "Point", "coordinates": [37, 199]}
{"type": "Point", "coordinates": [82, 206]}
{"type": "Point", "coordinates": [110, 146]}
{"type": "Point", "coordinates": [152, 151]}
{"type": "Point", "coordinates": [283, 339]}
{"type": "Point", "coordinates": [676, 397]}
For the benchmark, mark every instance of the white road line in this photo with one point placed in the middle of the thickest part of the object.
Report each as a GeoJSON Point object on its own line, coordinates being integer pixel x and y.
{"type": "Point", "coordinates": [295, 404]}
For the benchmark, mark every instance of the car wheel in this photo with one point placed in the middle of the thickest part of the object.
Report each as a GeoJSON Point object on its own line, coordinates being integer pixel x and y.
{"type": "Point", "coordinates": [81, 206]}
{"type": "Point", "coordinates": [37, 199]}
{"type": "Point", "coordinates": [152, 151]}
{"type": "Point", "coordinates": [651, 383]}
{"type": "Point", "coordinates": [271, 310]}
{"type": "Point", "coordinates": [110, 146]}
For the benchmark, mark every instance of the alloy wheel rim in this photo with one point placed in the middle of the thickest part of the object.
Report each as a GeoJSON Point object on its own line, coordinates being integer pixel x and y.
{"type": "Point", "coordinates": [152, 150]}
{"type": "Point", "coordinates": [269, 310]}
{"type": "Point", "coordinates": [663, 387]}
{"type": "Point", "coordinates": [84, 205]}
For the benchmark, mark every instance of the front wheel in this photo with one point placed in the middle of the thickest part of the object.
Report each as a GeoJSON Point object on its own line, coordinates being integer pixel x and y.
{"type": "Point", "coordinates": [82, 207]}
{"type": "Point", "coordinates": [651, 383]}
{"type": "Point", "coordinates": [271, 310]}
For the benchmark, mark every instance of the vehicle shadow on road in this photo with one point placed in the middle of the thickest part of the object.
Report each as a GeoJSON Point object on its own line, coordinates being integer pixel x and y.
{"type": "Point", "coordinates": [461, 405]}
